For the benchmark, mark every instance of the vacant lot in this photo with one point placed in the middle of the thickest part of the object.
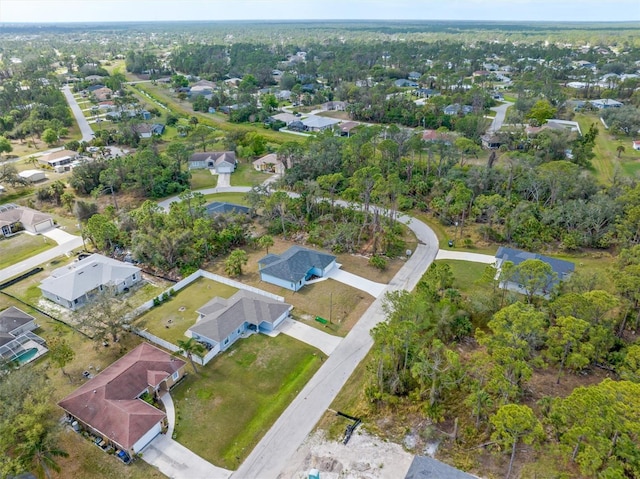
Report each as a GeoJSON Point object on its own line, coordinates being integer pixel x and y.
{"type": "Point", "coordinates": [237, 198]}
{"type": "Point", "coordinates": [246, 175]}
{"type": "Point", "coordinates": [171, 319]}
{"type": "Point", "coordinates": [22, 246]}
{"type": "Point", "coordinates": [203, 179]}
{"type": "Point", "coordinates": [223, 411]}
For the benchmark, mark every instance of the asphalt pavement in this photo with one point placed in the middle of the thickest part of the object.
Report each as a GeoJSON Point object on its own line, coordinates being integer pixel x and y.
{"type": "Point", "coordinates": [83, 124]}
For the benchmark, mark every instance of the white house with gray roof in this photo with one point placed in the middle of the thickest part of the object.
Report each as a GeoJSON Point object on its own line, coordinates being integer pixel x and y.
{"type": "Point", "coordinates": [73, 285]}
{"type": "Point", "coordinates": [221, 322]}
{"type": "Point", "coordinates": [293, 268]}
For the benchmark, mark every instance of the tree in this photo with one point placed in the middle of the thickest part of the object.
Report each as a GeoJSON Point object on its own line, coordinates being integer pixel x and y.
{"type": "Point", "coordinates": [103, 318]}
{"type": "Point", "coordinates": [41, 454]}
{"type": "Point", "coordinates": [536, 277]}
{"type": "Point", "coordinates": [190, 347]}
{"type": "Point", "coordinates": [101, 231]}
{"type": "Point", "coordinates": [541, 111]}
{"type": "Point", "coordinates": [61, 354]}
{"type": "Point", "coordinates": [567, 344]}
{"type": "Point", "coordinates": [68, 199]}
{"type": "Point", "coordinates": [620, 149]}
{"type": "Point", "coordinates": [266, 241]}
{"type": "Point", "coordinates": [5, 145]}
{"type": "Point", "coordinates": [50, 136]}
{"type": "Point", "coordinates": [513, 423]}
{"type": "Point", "coordinates": [234, 263]}
{"type": "Point", "coordinates": [201, 135]}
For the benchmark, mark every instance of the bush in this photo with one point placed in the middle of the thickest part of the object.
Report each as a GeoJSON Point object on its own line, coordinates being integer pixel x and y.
{"type": "Point", "coordinates": [378, 262]}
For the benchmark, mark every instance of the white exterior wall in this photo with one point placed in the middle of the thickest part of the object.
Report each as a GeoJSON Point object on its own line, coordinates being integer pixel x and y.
{"type": "Point", "coordinates": [147, 438]}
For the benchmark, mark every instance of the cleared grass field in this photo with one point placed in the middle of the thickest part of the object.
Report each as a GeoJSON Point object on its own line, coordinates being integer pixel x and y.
{"type": "Point", "coordinates": [22, 246]}
{"type": "Point", "coordinates": [222, 412]}
{"type": "Point", "coordinates": [246, 175]}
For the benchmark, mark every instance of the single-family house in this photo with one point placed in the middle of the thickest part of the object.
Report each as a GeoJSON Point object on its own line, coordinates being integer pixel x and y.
{"type": "Point", "coordinates": [319, 123]}
{"type": "Point", "coordinates": [58, 158]}
{"type": "Point", "coordinates": [283, 95]}
{"type": "Point", "coordinates": [491, 141]}
{"type": "Point", "coordinates": [346, 128]}
{"type": "Point", "coordinates": [636, 145]}
{"type": "Point", "coordinates": [143, 130]}
{"type": "Point", "coordinates": [426, 92]}
{"type": "Point", "coordinates": [423, 467]}
{"type": "Point", "coordinates": [73, 285]}
{"type": "Point", "coordinates": [221, 322]}
{"type": "Point", "coordinates": [562, 269]}
{"type": "Point", "coordinates": [269, 163]}
{"type": "Point", "coordinates": [287, 118]}
{"type": "Point", "coordinates": [293, 268]}
{"type": "Point", "coordinates": [456, 109]}
{"type": "Point", "coordinates": [14, 218]}
{"type": "Point", "coordinates": [297, 125]}
{"type": "Point", "coordinates": [415, 76]}
{"type": "Point", "coordinates": [223, 208]}
{"type": "Point", "coordinates": [102, 94]}
{"type": "Point", "coordinates": [32, 176]}
{"type": "Point", "coordinates": [334, 106]}
{"type": "Point", "coordinates": [403, 83]}
{"type": "Point", "coordinates": [110, 407]}
{"type": "Point", "coordinates": [220, 161]}
{"type": "Point", "coordinates": [605, 103]}
{"type": "Point", "coordinates": [17, 341]}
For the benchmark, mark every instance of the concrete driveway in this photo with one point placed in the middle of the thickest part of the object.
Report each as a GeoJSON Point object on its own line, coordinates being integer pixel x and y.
{"type": "Point", "coordinates": [224, 180]}
{"type": "Point", "coordinates": [325, 342]}
{"type": "Point", "coordinates": [464, 256]}
{"type": "Point", "coordinates": [177, 462]}
{"type": "Point", "coordinates": [358, 282]}
{"type": "Point", "coordinates": [59, 236]}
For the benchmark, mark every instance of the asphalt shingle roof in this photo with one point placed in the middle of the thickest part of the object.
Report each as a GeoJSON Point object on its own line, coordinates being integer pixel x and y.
{"type": "Point", "coordinates": [295, 263]}
{"type": "Point", "coordinates": [428, 468]}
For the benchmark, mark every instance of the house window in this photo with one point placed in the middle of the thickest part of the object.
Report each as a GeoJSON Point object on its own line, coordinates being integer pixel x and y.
{"type": "Point", "coordinates": [134, 277]}
{"type": "Point", "coordinates": [226, 341]}
{"type": "Point", "coordinates": [175, 375]}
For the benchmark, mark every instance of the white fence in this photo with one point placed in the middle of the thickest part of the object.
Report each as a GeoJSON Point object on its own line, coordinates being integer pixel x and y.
{"type": "Point", "coordinates": [177, 287]}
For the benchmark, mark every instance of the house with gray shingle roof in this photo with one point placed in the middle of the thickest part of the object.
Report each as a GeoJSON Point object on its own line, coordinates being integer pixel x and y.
{"type": "Point", "coordinates": [293, 268]}
{"type": "Point", "coordinates": [424, 467]}
{"type": "Point", "coordinates": [221, 322]}
{"type": "Point", "coordinates": [220, 161]}
{"type": "Point", "coordinates": [73, 285]}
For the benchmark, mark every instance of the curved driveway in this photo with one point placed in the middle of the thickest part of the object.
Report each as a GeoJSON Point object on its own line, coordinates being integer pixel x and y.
{"type": "Point", "coordinates": [498, 120]}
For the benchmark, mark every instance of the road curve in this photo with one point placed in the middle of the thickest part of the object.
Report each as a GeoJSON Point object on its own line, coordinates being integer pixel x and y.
{"type": "Point", "coordinates": [83, 124]}
{"type": "Point", "coordinates": [498, 120]}
{"type": "Point", "coordinates": [272, 453]}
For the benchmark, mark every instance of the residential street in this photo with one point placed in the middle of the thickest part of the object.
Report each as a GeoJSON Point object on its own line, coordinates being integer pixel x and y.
{"type": "Point", "coordinates": [498, 120]}
{"type": "Point", "coordinates": [83, 124]}
{"type": "Point", "coordinates": [275, 449]}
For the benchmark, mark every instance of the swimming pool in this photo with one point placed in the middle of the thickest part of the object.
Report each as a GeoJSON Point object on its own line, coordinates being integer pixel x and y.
{"type": "Point", "coordinates": [27, 356]}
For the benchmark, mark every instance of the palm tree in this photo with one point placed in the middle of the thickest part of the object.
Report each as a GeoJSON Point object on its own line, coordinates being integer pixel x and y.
{"type": "Point", "coordinates": [42, 454]}
{"type": "Point", "coordinates": [190, 347]}
{"type": "Point", "coordinates": [620, 149]}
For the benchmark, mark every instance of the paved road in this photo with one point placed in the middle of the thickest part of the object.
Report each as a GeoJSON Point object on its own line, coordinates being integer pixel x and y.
{"type": "Point", "coordinates": [498, 120]}
{"type": "Point", "coordinates": [272, 453]}
{"type": "Point", "coordinates": [38, 259]}
{"type": "Point", "coordinates": [83, 124]}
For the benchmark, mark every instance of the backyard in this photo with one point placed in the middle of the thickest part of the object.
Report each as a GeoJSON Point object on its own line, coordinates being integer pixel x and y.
{"type": "Point", "coordinates": [224, 410]}
{"type": "Point", "coordinates": [22, 246]}
{"type": "Point", "coordinates": [172, 318]}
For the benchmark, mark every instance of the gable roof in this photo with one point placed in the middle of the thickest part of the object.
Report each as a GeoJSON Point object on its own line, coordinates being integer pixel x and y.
{"type": "Point", "coordinates": [109, 402]}
{"type": "Point", "coordinates": [516, 256]}
{"type": "Point", "coordinates": [58, 155]}
{"type": "Point", "coordinates": [218, 157]}
{"type": "Point", "coordinates": [270, 158]}
{"type": "Point", "coordinates": [295, 263]}
{"type": "Point", "coordinates": [222, 316]}
{"type": "Point", "coordinates": [313, 121]}
{"type": "Point", "coordinates": [11, 213]}
{"type": "Point", "coordinates": [73, 281]}
{"type": "Point", "coordinates": [428, 468]}
{"type": "Point", "coordinates": [11, 319]}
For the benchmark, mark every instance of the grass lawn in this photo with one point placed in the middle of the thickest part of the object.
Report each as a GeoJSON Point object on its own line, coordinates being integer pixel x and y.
{"type": "Point", "coordinates": [466, 274]}
{"type": "Point", "coordinates": [27, 289]}
{"type": "Point", "coordinates": [171, 319]}
{"type": "Point", "coordinates": [246, 175]}
{"type": "Point", "coordinates": [224, 411]}
{"type": "Point", "coordinates": [203, 179]}
{"type": "Point", "coordinates": [237, 198]}
{"type": "Point", "coordinates": [22, 246]}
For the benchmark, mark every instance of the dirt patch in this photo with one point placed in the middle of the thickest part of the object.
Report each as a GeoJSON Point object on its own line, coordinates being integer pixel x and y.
{"type": "Point", "coordinates": [364, 457]}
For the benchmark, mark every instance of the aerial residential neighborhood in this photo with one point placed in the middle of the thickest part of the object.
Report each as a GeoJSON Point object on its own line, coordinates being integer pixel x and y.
{"type": "Point", "coordinates": [312, 249]}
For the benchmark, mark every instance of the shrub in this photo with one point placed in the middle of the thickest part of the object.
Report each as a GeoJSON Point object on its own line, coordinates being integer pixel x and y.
{"type": "Point", "coordinates": [378, 262]}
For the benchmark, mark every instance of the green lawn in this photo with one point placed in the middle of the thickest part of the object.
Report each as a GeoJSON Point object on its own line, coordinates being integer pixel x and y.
{"type": "Point", "coordinates": [22, 246]}
{"type": "Point", "coordinates": [224, 411]}
{"type": "Point", "coordinates": [203, 179]}
{"type": "Point", "coordinates": [246, 175]}
{"type": "Point", "coordinates": [171, 319]}
{"type": "Point", "coordinates": [237, 198]}
{"type": "Point", "coordinates": [466, 274]}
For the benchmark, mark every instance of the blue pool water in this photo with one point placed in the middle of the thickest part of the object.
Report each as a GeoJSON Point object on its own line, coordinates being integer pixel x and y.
{"type": "Point", "coordinates": [27, 356]}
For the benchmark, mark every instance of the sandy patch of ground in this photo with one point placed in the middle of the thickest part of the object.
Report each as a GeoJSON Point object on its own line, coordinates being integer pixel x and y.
{"type": "Point", "coordinates": [364, 457]}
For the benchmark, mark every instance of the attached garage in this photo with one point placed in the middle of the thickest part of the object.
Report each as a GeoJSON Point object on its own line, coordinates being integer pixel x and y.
{"type": "Point", "coordinates": [32, 176]}
{"type": "Point", "coordinates": [147, 438]}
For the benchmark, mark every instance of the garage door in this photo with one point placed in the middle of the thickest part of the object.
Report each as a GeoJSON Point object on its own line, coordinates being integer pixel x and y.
{"type": "Point", "coordinates": [45, 225]}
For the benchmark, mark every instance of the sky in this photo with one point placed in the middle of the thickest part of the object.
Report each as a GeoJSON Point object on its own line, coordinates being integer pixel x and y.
{"type": "Point", "coordinates": [58, 11]}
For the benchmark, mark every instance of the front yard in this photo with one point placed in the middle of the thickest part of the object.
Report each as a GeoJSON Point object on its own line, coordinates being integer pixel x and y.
{"type": "Point", "coordinates": [172, 318]}
{"type": "Point", "coordinates": [222, 412]}
{"type": "Point", "coordinates": [22, 246]}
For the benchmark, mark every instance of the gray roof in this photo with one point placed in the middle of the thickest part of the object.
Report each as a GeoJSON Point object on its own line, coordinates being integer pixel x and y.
{"type": "Point", "coordinates": [295, 263]}
{"type": "Point", "coordinates": [313, 121]}
{"type": "Point", "coordinates": [516, 256]}
{"type": "Point", "coordinates": [218, 157]}
{"type": "Point", "coordinates": [13, 318]}
{"type": "Point", "coordinates": [224, 208]}
{"type": "Point", "coordinates": [75, 280]}
{"type": "Point", "coordinates": [11, 213]}
{"type": "Point", "coordinates": [428, 468]}
{"type": "Point", "coordinates": [222, 316]}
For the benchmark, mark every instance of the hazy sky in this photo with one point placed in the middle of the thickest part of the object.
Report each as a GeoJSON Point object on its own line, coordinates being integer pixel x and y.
{"type": "Point", "coordinates": [166, 10]}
